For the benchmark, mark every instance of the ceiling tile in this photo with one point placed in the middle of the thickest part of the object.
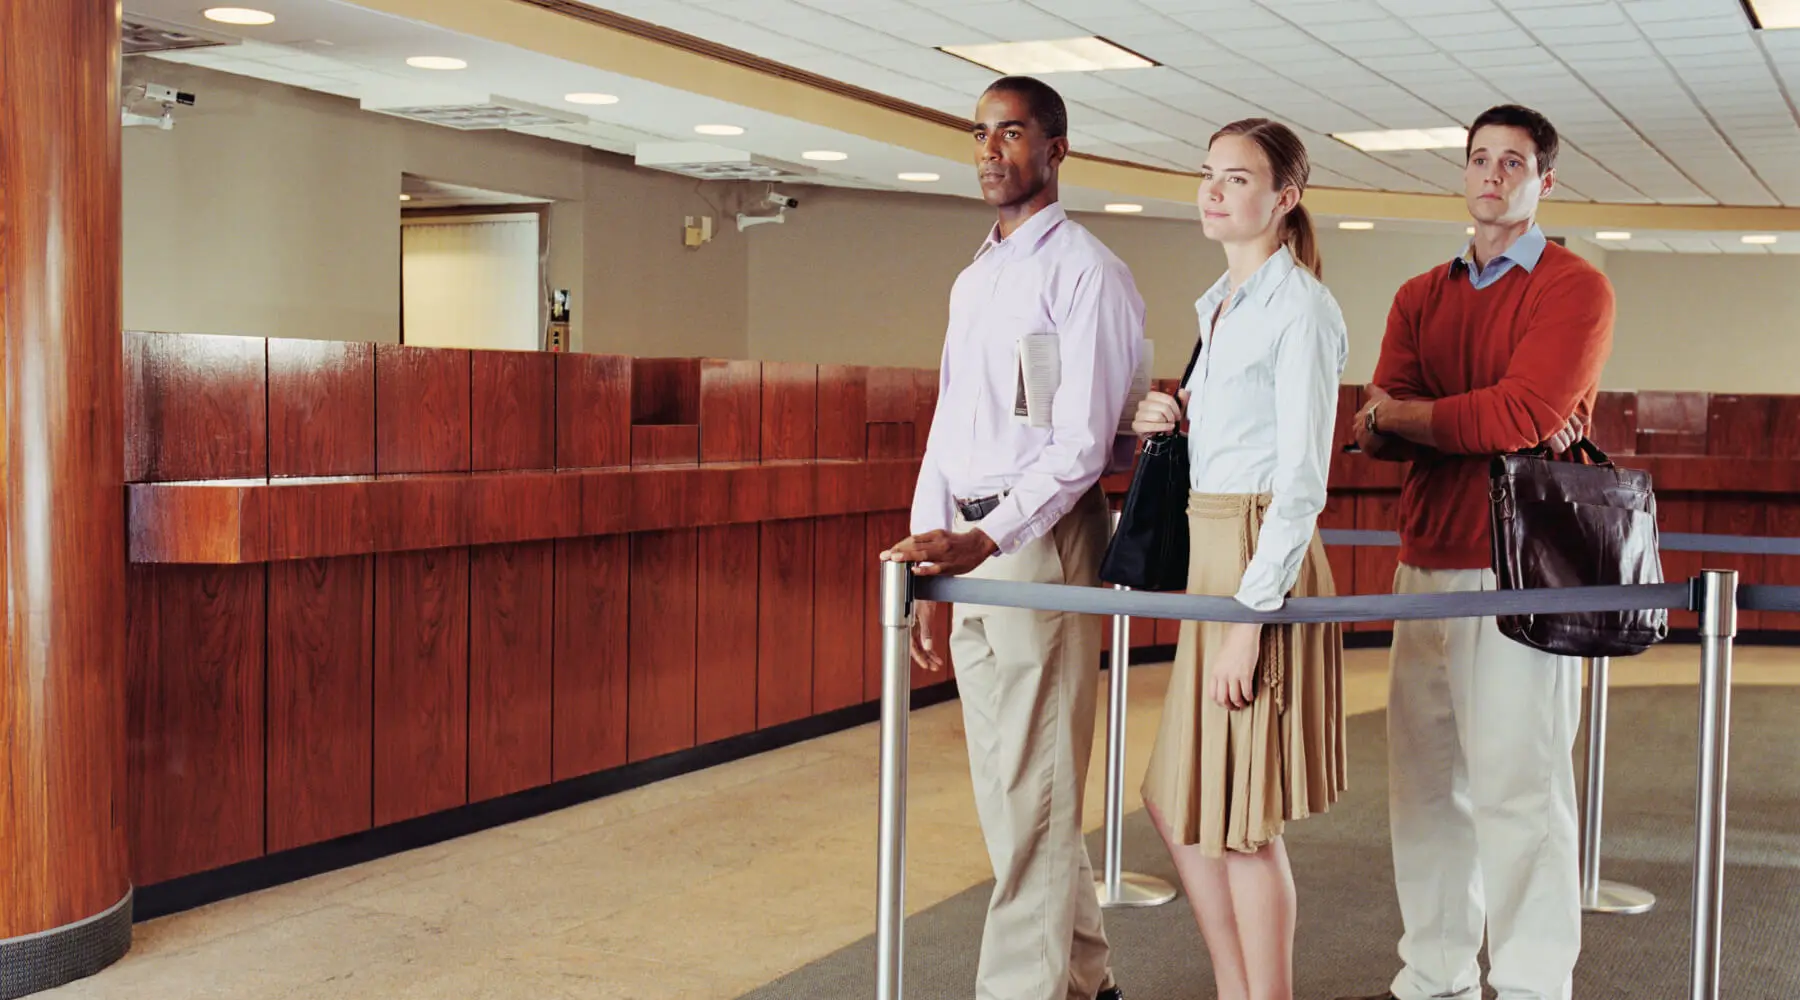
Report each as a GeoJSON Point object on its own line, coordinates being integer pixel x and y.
{"type": "Point", "coordinates": [918, 27]}
{"type": "Point", "coordinates": [1444, 26]}
{"type": "Point", "coordinates": [1569, 15]}
{"type": "Point", "coordinates": [1659, 11]}
{"type": "Point", "coordinates": [1013, 21]}
{"type": "Point", "coordinates": [1411, 8]}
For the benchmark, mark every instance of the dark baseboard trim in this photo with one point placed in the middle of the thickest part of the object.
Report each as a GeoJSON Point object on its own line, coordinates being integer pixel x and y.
{"type": "Point", "coordinates": [1677, 637]}
{"type": "Point", "coordinates": [202, 888]}
{"type": "Point", "coordinates": [1143, 655]}
{"type": "Point", "coordinates": [62, 955]}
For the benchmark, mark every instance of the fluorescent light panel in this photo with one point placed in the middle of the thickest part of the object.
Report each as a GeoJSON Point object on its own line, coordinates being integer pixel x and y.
{"type": "Point", "coordinates": [1356, 225]}
{"type": "Point", "coordinates": [1393, 140]}
{"type": "Point", "coordinates": [1124, 208]}
{"type": "Point", "coordinates": [1067, 55]}
{"type": "Point", "coordinates": [1770, 15]}
{"type": "Point", "coordinates": [1612, 236]}
{"type": "Point", "coordinates": [1760, 239]}
{"type": "Point", "coordinates": [239, 15]}
{"type": "Point", "coordinates": [919, 176]}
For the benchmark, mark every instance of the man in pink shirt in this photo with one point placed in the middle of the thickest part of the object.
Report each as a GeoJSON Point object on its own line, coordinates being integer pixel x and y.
{"type": "Point", "coordinates": [999, 498]}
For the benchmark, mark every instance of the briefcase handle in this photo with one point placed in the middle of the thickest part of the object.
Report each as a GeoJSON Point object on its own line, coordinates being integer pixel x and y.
{"type": "Point", "coordinates": [1585, 451]}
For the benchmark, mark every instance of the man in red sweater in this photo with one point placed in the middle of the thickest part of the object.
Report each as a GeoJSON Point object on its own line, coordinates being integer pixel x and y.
{"type": "Point", "coordinates": [1496, 351]}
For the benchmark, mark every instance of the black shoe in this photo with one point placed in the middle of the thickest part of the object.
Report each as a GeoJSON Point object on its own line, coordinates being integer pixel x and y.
{"type": "Point", "coordinates": [1111, 993]}
{"type": "Point", "coordinates": [1383, 995]}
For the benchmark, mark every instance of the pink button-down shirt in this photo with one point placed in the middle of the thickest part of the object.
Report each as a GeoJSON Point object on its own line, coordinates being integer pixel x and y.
{"type": "Point", "coordinates": [1050, 276]}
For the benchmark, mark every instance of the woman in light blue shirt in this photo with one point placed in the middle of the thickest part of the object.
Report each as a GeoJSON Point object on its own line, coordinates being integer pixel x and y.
{"type": "Point", "coordinates": [1253, 724]}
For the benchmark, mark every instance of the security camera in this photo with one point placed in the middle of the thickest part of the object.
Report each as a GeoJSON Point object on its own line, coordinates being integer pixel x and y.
{"type": "Point", "coordinates": [167, 95]}
{"type": "Point", "coordinates": [780, 200]}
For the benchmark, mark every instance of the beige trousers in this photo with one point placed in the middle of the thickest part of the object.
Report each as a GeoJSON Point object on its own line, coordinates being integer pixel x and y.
{"type": "Point", "coordinates": [1027, 683]}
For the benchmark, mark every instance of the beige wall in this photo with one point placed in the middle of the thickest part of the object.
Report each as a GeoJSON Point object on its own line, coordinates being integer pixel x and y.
{"type": "Point", "coordinates": [271, 211]}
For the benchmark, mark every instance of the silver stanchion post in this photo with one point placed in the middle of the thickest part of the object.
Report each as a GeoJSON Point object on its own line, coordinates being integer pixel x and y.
{"type": "Point", "coordinates": [1599, 896]}
{"type": "Point", "coordinates": [1715, 597]}
{"type": "Point", "coordinates": [1116, 888]}
{"type": "Point", "coordinates": [896, 703]}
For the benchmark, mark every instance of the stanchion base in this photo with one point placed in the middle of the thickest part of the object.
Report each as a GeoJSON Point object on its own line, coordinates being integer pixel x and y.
{"type": "Point", "coordinates": [1135, 890]}
{"type": "Point", "coordinates": [1616, 897]}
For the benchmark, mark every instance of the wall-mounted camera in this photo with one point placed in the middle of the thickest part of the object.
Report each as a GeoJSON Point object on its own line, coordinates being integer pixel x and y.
{"type": "Point", "coordinates": [777, 200]}
{"type": "Point", "coordinates": [781, 201]}
{"type": "Point", "coordinates": [153, 93]}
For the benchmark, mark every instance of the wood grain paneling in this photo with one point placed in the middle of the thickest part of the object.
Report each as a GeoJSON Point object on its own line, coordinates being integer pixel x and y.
{"type": "Point", "coordinates": [196, 407]}
{"type": "Point", "coordinates": [592, 662]}
{"type": "Point", "coordinates": [511, 594]}
{"type": "Point", "coordinates": [1615, 425]}
{"type": "Point", "coordinates": [892, 396]}
{"type": "Point", "coordinates": [422, 421]}
{"type": "Point", "coordinates": [726, 646]}
{"type": "Point", "coordinates": [421, 682]}
{"type": "Point", "coordinates": [790, 410]}
{"type": "Point", "coordinates": [321, 699]}
{"type": "Point", "coordinates": [321, 408]}
{"type": "Point", "coordinates": [1739, 426]}
{"type": "Point", "coordinates": [924, 407]}
{"type": "Point", "coordinates": [664, 619]}
{"type": "Point", "coordinates": [843, 411]}
{"type": "Point", "coordinates": [841, 569]}
{"type": "Point", "coordinates": [784, 668]}
{"type": "Point", "coordinates": [593, 400]}
{"type": "Point", "coordinates": [318, 518]}
{"type": "Point", "coordinates": [1676, 514]}
{"type": "Point", "coordinates": [1737, 516]}
{"type": "Point", "coordinates": [1672, 423]}
{"type": "Point", "coordinates": [1340, 512]}
{"type": "Point", "coordinates": [1784, 426]}
{"type": "Point", "coordinates": [513, 397]}
{"type": "Point", "coordinates": [1375, 565]}
{"type": "Point", "coordinates": [730, 411]}
{"type": "Point", "coordinates": [889, 440]}
{"type": "Point", "coordinates": [665, 444]}
{"type": "Point", "coordinates": [194, 727]}
{"type": "Point", "coordinates": [665, 391]}
{"type": "Point", "coordinates": [197, 522]}
{"type": "Point", "coordinates": [1781, 518]}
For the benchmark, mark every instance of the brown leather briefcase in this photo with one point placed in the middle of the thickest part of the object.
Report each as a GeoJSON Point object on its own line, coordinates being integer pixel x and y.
{"type": "Point", "coordinates": [1583, 523]}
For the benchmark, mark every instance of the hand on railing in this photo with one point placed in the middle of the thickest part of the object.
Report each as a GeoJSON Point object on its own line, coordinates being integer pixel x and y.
{"type": "Point", "coordinates": [943, 553]}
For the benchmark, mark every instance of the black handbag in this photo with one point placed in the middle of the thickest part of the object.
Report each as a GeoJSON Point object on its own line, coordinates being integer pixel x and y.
{"type": "Point", "coordinates": [1576, 524]}
{"type": "Point", "coordinates": [1149, 548]}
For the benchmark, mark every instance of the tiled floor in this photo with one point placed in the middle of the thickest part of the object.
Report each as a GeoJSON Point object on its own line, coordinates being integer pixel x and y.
{"type": "Point", "coordinates": [702, 887]}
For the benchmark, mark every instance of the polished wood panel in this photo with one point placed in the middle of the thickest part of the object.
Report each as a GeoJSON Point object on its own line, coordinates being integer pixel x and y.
{"type": "Point", "coordinates": [422, 421]}
{"type": "Point", "coordinates": [1615, 426]}
{"type": "Point", "coordinates": [784, 668]}
{"type": "Point", "coordinates": [925, 382]}
{"type": "Point", "coordinates": [196, 407]}
{"type": "Point", "coordinates": [592, 661]}
{"type": "Point", "coordinates": [1781, 518]}
{"type": "Point", "coordinates": [665, 391]}
{"type": "Point", "coordinates": [891, 440]}
{"type": "Point", "coordinates": [421, 711]}
{"type": "Point", "coordinates": [1737, 516]}
{"type": "Point", "coordinates": [1340, 512]}
{"type": "Point", "coordinates": [514, 394]}
{"type": "Point", "coordinates": [419, 512]}
{"type": "Point", "coordinates": [1672, 423]}
{"type": "Point", "coordinates": [726, 644]}
{"type": "Point", "coordinates": [318, 518]}
{"type": "Point", "coordinates": [320, 699]}
{"type": "Point", "coordinates": [892, 395]}
{"type": "Point", "coordinates": [665, 444]}
{"type": "Point", "coordinates": [197, 523]}
{"type": "Point", "coordinates": [194, 728]}
{"type": "Point", "coordinates": [664, 619]}
{"type": "Point", "coordinates": [790, 409]}
{"type": "Point", "coordinates": [593, 400]}
{"type": "Point", "coordinates": [843, 411]}
{"type": "Point", "coordinates": [1784, 425]}
{"type": "Point", "coordinates": [841, 569]}
{"type": "Point", "coordinates": [1739, 426]}
{"type": "Point", "coordinates": [511, 594]}
{"type": "Point", "coordinates": [321, 408]}
{"type": "Point", "coordinates": [1375, 565]}
{"type": "Point", "coordinates": [1685, 516]}
{"type": "Point", "coordinates": [730, 411]}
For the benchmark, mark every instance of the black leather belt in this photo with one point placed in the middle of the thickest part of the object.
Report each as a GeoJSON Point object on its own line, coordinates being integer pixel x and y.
{"type": "Point", "coordinates": [980, 507]}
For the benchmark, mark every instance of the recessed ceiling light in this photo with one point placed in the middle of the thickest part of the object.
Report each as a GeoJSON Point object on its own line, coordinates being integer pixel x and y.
{"type": "Point", "coordinates": [918, 177]}
{"type": "Point", "coordinates": [824, 155]}
{"type": "Point", "coordinates": [1067, 55]}
{"type": "Point", "coordinates": [239, 15]}
{"type": "Point", "coordinates": [1449, 137]}
{"type": "Point", "coordinates": [719, 129]}
{"type": "Point", "coordinates": [585, 98]}
{"type": "Point", "coordinates": [1761, 239]}
{"type": "Point", "coordinates": [1124, 208]}
{"type": "Point", "coordinates": [436, 62]}
{"type": "Point", "coordinates": [406, 197]}
{"type": "Point", "coordinates": [1769, 15]}
{"type": "Point", "coordinates": [1350, 224]}
{"type": "Point", "coordinates": [1612, 236]}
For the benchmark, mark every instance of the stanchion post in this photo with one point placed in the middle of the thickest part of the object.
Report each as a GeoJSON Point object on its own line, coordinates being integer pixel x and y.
{"type": "Point", "coordinates": [896, 704]}
{"type": "Point", "coordinates": [1715, 597]}
{"type": "Point", "coordinates": [1114, 887]}
{"type": "Point", "coordinates": [1599, 896]}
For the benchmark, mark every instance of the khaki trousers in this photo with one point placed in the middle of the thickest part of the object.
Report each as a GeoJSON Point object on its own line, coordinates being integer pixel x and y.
{"type": "Point", "coordinates": [1481, 787]}
{"type": "Point", "coordinates": [1027, 683]}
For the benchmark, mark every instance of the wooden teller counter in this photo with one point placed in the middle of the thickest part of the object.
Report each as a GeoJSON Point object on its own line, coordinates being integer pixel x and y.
{"type": "Point", "coordinates": [383, 588]}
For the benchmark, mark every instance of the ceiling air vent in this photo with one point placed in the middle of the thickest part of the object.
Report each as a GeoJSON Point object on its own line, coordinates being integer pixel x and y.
{"type": "Point", "coordinates": [717, 163]}
{"type": "Point", "coordinates": [139, 35]}
{"type": "Point", "coordinates": [495, 113]}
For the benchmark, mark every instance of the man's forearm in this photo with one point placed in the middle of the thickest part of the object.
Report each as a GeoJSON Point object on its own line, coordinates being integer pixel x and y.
{"type": "Point", "coordinates": [1407, 419]}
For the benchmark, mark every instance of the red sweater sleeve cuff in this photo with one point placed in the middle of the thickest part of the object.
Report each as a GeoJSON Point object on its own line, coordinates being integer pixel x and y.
{"type": "Point", "coordinates": [1448, 418]}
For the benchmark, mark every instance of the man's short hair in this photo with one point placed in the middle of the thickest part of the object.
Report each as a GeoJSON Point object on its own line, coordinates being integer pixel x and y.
{"type": "Point", "coordinates": [1543, 134]}
{"type": "Point", "coordinates": [1047, 107]}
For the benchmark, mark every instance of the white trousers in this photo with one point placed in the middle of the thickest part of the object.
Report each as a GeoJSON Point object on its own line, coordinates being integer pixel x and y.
{"type": "Point", "coordinates": [1481, 800]}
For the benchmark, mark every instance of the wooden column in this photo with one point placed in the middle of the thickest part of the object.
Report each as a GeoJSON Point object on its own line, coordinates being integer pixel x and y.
{"type": "Point", "coordinates": [62, 548]}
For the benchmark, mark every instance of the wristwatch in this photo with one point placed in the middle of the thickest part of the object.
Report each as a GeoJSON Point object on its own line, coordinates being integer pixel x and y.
{"type": "Point", "coordinates": [1369, 421]}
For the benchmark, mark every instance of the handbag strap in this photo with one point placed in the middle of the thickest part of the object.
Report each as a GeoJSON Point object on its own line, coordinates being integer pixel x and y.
{"type": "Point", "coordinates": [1193, 359]}
{"type": "Point", "coordinates": [1586, 451]}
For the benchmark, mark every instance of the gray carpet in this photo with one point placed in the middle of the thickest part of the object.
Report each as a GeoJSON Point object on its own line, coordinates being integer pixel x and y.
{"type": "Point", "coordinates": [1348, 919]}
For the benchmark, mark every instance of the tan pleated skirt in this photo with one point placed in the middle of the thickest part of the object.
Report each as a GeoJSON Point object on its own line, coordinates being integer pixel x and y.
{"type": "Point", "coordinates": [1228, 779]}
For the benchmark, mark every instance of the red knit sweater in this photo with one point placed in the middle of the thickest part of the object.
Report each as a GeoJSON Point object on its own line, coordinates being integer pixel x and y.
{"type": "Point", "coordinates": [1508, 366]}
